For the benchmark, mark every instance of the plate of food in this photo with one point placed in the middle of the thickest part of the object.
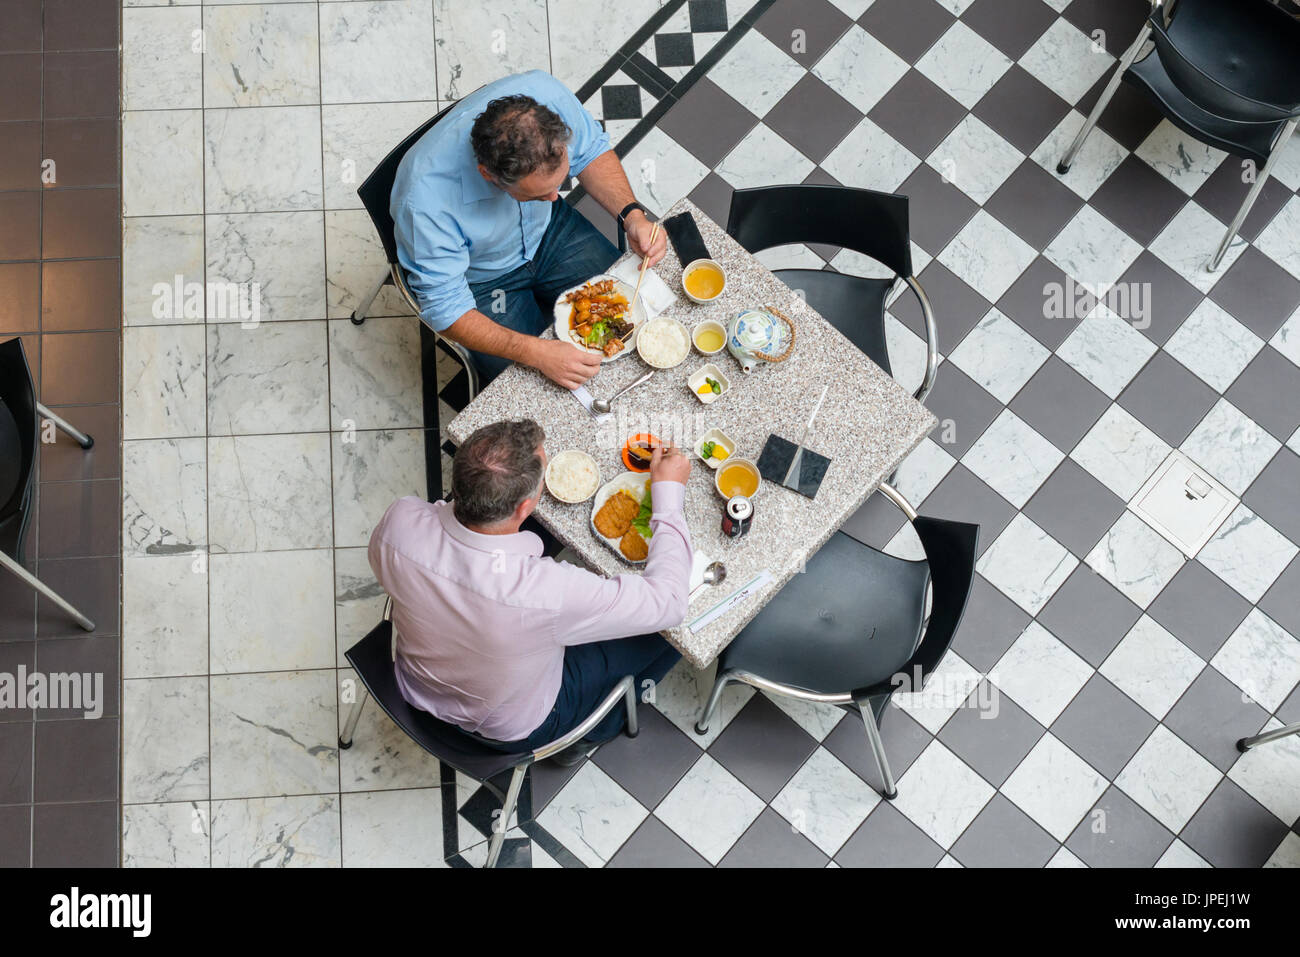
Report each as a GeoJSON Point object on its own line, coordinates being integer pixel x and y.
{"type": "Point", "coordinates": [620, 516]}
{"type": "Point", "coordinates": [595, 316]}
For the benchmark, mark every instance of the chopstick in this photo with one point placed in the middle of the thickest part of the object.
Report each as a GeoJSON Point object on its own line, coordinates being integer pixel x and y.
{"type": "Point", "coordinates": [645, 263]}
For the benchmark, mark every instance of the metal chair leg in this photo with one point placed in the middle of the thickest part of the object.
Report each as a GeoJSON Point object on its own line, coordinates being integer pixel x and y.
{"type": "Point", "coordinates": [878, 749]}
{"type": "Point", "coordinates": [507, 809]}
{"type": "Point", "coordinates": [633, 728]}
{"type": "Point", "coordinates": [8, 562]}
{"type": "Point", "coordinates": [81, 438]}
{"type": "Point", "coordinates": [345, 739]}
{"type": "Point", "coordinates": [1245, 744]}
{"type": "Point", "coordinates": [1260, 178]}
{"type": "Point", "coordinates": [1130, 55]}
{"type": "Point", "coordinates": [359, 314]}
{"type": "Point", "coordinates": [719, 682]}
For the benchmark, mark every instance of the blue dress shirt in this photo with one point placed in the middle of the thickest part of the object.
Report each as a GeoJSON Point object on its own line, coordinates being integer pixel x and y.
{"type": "Point", "coordinates": [454, 227]}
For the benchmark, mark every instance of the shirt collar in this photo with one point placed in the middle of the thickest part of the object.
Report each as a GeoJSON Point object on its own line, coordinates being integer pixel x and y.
{"type": "Point", "coordinates": [473, 187]}
{"type": "Point", "coordinates": [519, 543]}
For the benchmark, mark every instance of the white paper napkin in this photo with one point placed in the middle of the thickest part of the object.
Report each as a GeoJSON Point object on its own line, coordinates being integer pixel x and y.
{"type": "Point", "coordinates": [656, 296]}
{"type": "Point", "coordinates": [583, 395]}
{"type": "Point", "coordinates": [699, 562]}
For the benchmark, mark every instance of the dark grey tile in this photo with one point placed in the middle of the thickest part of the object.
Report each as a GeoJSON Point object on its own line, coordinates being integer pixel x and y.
{"type": "Point", "coordinates": [20, 291]}
{"type": "Point", "coordinates": [1129, 117]}
{"type": "Point", "coordinates": [15, 655]}
{"type": "Point", "coordinates": [1002, 835]}
{"type": "Point", "coordinates": [708, 122]}
{"type": "Point", "coordinates": [75, 835]}
{"type": "Point", "coordinates": [80, 295]}
{"type": "Point", "coordinates": [1119, 20]}
{"type": "Point", "coordinates": [813, 117]}
{"type": "Point", "coordinates": [76, 760]}
{"type": "Point", "coordinates": [888, 839]}
{"type": "Point", "coordinates": [17, 617]}
{"type": "Point", "coordinates": [674, 49]}
{"type": "Point", "coordinates": [16, 762]}
{"type": "Point", "coordinates": [991, 625]}
{"type": "Point", "coordinates": [1103, 726]}
{"type": "Point", "coordinates": [84, 150]}
{"type": "Point", "coordinates": [1167, 398]}
{"type": "Point", "coordinates": [79, 519]}
{"type": "Point", "coordinates": [713, 196]}
{"type": "Point", "coordinates": [15, 836]}
{"type": "Point", "coordinates": [22, 34]}
{"type": "Point", "coordinates": [1138, 200]}
{"type": "Point", "coordinates": [1232, 829]}
{"type": "Point", "coordinates": [908, 27]}
{"type": "Point", "coordinates": [1089, 615]}
{"type": "Point", "coordinates": [80, 224]}
{"type": "Point", "coordinates": [771, 842]}
{"type": "Point", "coordinates": [1021, 109]}
{"type": "Point", "coordinates": [917, 113]}
{"type": "Point", "coordinates": [63, 460]}
{"type": "Point", "coordinates": [1282, 601]}
{"type": "Point", "coordinates": [1268, 390]}
{"type": "Point", "coordinates": [1272, 496]}
{"type": "Point", "coordinates": [80, 368]}
{"type": "Point", "coordinates": [963, 497]}
{"type": "Point", "coordinates": [1074, 508]}
{"type": "Point", "coordinates": [1060, 404]}
{"type": "Point", "coordinates": [903, 737]}
{"type": "Point", "coordinates": [80, 25]}
{"type": "Point", "coordinates": [91, 584]}
{"type": "Point", "coordinates": [1289, 712]}
{"type": "Point", "coordinates": [1212, 715]}
{"type": "Point", "coordinates": [763, 747]}
{"type": "Point", "coordinates": [1198, 609]}
{"type": "Point", "coordinates": [875, 523]}
{"type": "Point", "coordinates": [820, 24]}
{"type": "Point", "coordinates": [546, 778]}
{"type": "Point", "coordinates": [598, 217]}
{"type": "Point", "coordinates": [1012, 26]}
{"type": "Point", "coordinates": [1025, 303]}
{"type": "Point", "coordinates": [97, 657]}
{"type": "Point", "coordinates": [1034, 204]}
{"type": "Point", "coordinates": [20, 228]}
{"type": "Point", "coordinates": [936, 210]}
{"type": "Point", "coordinates": [653, 844]}
{"type": "Point", "coordinates": [20, 78]}
{"type": "Point", "coordinates": [20, 155]}
{"type": "Point", "coordinates": [1171, 298]}
{"type": "Point", "coordinates": [80, 84]}
{"type": "Point", "coordinates": [649, 765]}
{"type": "Point", "coordinates": [1223, 191]}
{"type": "Point", "coordinates": [1121, 835]}
{"type": "Point", "coordinates": [957, 307]}
{"type": "Point", "coordinates": [1258, 293]}
{"type": "Point", "coordinates": [708, 16]}
{"type": "Point", "coordinates": [621, 101]}
{"type": "Point", "coordinates": [991, 740]}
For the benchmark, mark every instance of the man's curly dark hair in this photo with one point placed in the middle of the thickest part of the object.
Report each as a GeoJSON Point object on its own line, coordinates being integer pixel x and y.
{"type": "Point", "coordinates": [515, 136]}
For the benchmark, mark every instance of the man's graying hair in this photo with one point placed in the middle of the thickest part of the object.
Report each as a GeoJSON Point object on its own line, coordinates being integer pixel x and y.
{"type": "Point", "coordinates": [495, 469]}
{"type": "Point", "coordinates": [515, 136]}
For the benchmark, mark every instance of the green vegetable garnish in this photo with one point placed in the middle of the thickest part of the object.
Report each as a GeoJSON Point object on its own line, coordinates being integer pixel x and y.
{"type": "Point", "coordinates": [715, 386]}
{"type": "Point", "coordinates": [706, 450]}
{"type": "Point", "coordinates": [642, 521]}
{"type": "Point", "coordinates": [597, 334]}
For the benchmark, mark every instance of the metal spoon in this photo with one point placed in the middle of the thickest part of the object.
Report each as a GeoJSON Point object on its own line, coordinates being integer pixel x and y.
{"type": "Point", "coordinates": [715, 573]}
{"type": "Point", "coordinates": [601, 406]}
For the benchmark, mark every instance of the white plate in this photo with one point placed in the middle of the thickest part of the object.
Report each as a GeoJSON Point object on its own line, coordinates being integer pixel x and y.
{"type": "Point", "coordinates": [574, 454]}
{"type": "Point", "coordinates": [634, 482]}
{"type": "Point", "coordinates": [564, 310]}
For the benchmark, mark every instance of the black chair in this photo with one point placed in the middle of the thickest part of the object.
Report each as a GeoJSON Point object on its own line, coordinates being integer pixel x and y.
{"type": "Point", "coordinates": [863, 220]}
{"type": "Point", "coordinates": [372, 659]}
{"type": "Point", "coordinates": [20, 416]}
{"type": "Point", "coordinates": [1224, 71]}
{"type": "Point", "coordinates": [849, 630]}
{"type": "Point", "coordinates": [375, 194]}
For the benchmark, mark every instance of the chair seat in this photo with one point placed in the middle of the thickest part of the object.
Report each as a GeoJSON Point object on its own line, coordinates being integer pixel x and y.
{"type": "Point", "coordinates": [852, 304]}
{"type": "Point", "coordinates": [858, 610]}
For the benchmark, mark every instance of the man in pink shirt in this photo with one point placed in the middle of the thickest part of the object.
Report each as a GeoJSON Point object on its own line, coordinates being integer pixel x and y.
{"type": "Point", "coordinates": [514, 648]}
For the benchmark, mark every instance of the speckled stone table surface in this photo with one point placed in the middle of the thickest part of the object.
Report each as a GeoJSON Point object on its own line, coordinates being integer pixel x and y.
{"type": "Point", "coordinates": [867, 425]}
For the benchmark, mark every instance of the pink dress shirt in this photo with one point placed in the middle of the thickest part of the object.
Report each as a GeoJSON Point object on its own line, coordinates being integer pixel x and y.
{"type": "Point", "coordinates": [482, 620]}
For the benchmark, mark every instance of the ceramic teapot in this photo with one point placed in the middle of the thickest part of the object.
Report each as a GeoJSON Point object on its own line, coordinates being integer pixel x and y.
{"type": "Point", "coordinates": [759, 335]}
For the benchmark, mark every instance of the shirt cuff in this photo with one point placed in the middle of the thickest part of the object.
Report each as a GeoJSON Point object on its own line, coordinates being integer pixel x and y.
{"type": "Point", "coordinates": [441, 315]}
{"type": "Point", "coordinates": [668, 498]}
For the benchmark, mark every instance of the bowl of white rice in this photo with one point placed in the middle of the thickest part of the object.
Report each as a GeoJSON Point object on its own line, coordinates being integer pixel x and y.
{"type": "Point", "coordinates": [663, 343]}
{"type": "Point", "coordinates": [572, 476]}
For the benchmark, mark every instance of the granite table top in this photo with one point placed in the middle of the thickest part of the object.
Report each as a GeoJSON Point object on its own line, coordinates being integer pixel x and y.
{"type": "Point", "coordinates": [867, 425]}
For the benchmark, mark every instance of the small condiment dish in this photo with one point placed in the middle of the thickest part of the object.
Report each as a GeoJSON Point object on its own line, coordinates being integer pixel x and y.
{"type": "Point", "coordinates": [719, 439]}
{"type": "Point", "coordinates": [700, 377]}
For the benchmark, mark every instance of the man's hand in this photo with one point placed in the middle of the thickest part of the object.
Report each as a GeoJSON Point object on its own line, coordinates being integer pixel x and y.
{"type": "Point", "coordinates": [669, 464]}
{"type": "Point", "coordinates": [638, 230]}
{"type": "Point", "coordinates": [564, 363]}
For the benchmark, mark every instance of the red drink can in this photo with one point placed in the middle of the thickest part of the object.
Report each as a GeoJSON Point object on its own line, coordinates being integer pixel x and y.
{"type": "Point", "coordinates": [737, 516]}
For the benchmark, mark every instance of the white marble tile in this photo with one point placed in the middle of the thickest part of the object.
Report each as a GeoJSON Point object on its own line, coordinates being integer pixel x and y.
{"type": "Point", "coordinates": [269, 492]}
{"type": "Point", "coordinates": [1092, 249]}
{"type": "Point", "coordinates": [273, 734]}
{"type": "Point", "coordinates": [162, 162]}
{"type": "Point", "coordinates": [941, 795]}
{"type": "Point", "coordinates": [164, 497]}
{"type": "Point", "coordinates": [356, 136]}
{"type": "Point", "coordinates": [907, 354]}
{"type": "Point", "coordinates": [1039, 673]}
{"type": "Point", "coordinates": [271, 611]}
{"type": "Point", "coordinates": [479, 43]}
{"type": "Point", "coordinates": [260, 55]}
{"type": "Point", "coordinates": [681, 695]}
{"type": "Point", "coordinates": [709, 808]}
{"type": "Point", "coordinates": [1066, 61]}
{"type": "Point", "coordinates": [757, 73]}
{"type": "Point", "coordinates": [1230, 446]}
{"type": "Point", "coordinates": [155, 250]}
{"type": "Point", "coordinates": [1054, 786]}
{"type": "Point", "coordinates": [999, 355]}
{"type": "Point", "coordinates": [1247, 553]}
{"type": "Point", "coordinates": [164, 616]}
{"type": "Point", "coordinates": [1064, 859]}
{"type": "Point", "coordinates": [963, 64]}
{"type": "Point", "coordinates": [818, 720]}
{"type": "Point", "coordinates": [1269, 774]}
{"type": "Point", "coordinates": [393, 829]}
{"type": "Point", "coordinates": [360, 43]}
{"type": "Point", "coordinates": [1135, 558]}
{"type": "Point", "coordinates": [262, 159]}
{"type": "Point", "coordinates": [1287, 339]}
{"type": "Point", "coordinates": [276, 832]}
{"type": "Point", "coordinates": [354, 262]}
{"type": "Point", "coordinates": [922, 471]}
{"type": "Point", "coordinates": [1120, 452]}
{"type": "Point", "coordinates": [162, 382]}
{"type": "Point", "coordinates": [371, 471]}
{"type": "Point", "coordinates": [1106, 350]}
{"type": "Point", "coordinates": [763, 158]}
{"type": "Point", "coordinates": [975, 159]}
{"type": "Point", "coordinates": [1187, 243]}
{"type": "Point", "coordinates": [1214, 345]}
{"type": "Point", "coordinates": [382, 756]}
{"type": "Point", "coordinates": [1261, 659]}
{"type": "Point", "coordinates": [1179, 854]}
{"type": "Point", "coordinates": [1287, 168]}
{"type": "Point", "coordinates": [825, 801]}
{"type": "Point", "coordinates": [358, 599]}
{"type": "Point", "coordinates": [1026, 564]}
{"type": "Point", "coordinates": [162, 62]}
{"type": "Point", "coordinates": [1012, 458]}
{"type": "Point", "coordinates": [1287, 853]}
{"type": "Point", "coordinates": [1099, 156]}
{"type": "Point", "coordinates": [869, 158]}
{"type": "Point", "coordinates": [987, 256]}
{"type": "Point", "coordinates": [790, 256]}
{"type": "Point", "coordinates": [860, 68]}
{"type": "Point", "coordinates": [271, 378]}
{"type": "Point", "coordinates": [276, 260]}
{"type": "Point", "coordinates": [1168, 779]}
{"type": "Point", "coordinates": [166, 835]}
{"type": "Point", "coordinates": [164, 739]}
{"type": "Point", "coordinates": [592, 816]}
{"type": "Point", "coordinates": [1180, 158]}
{"type": "Point", "coordinates": [573, 63]}
{"type": "Point", "coordinates": [947, 688]}
{"type": "Point", "coordinates": [1152, 667]}
{"type": "Point", "coordinates": [375, 381]}
{"type": "Point", "coordinates": [662, 172]}
{"type": "Point", "coordinates": [1278, 240]}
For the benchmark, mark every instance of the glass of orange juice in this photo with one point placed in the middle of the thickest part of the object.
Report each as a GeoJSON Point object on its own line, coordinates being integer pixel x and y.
{"type": "Point", "coordinates": [736, 477]}
{"type": "Point", "coordinates": [704, 280]}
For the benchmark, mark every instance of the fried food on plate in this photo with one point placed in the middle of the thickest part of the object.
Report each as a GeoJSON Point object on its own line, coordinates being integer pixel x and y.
{"type": "Point", "coordinates": [614, 518]}
{"type": "Point", "coordinates": [633, 546]}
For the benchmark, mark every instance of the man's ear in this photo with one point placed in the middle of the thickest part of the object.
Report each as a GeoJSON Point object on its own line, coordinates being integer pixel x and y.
{"type": "Point", "coordinates": [482, 170]}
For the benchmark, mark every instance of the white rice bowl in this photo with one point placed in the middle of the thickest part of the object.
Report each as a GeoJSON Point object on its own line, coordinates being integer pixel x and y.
{"type": "Point", "coordinates": [663, 343]}
{"type": "Point", "coordinates": [572, 476]}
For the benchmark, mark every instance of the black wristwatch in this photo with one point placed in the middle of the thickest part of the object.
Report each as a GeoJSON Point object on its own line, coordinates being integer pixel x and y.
{"type": "Point", "coordinates": [627, 209]}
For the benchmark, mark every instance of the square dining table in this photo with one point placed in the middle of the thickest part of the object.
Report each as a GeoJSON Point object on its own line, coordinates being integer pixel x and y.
{"type": "Point", "coordinates": [867, 425]}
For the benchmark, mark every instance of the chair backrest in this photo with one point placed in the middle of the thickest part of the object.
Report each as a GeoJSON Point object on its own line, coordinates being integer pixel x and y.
{"type": "Point", "coordinates": [18, 428]}
{"type": "Point", "coordinates": [372, 659]}
{"type": "Point", "coordinates": [378, 187]}
{"type": "Point", "coordinates": [863, 220]}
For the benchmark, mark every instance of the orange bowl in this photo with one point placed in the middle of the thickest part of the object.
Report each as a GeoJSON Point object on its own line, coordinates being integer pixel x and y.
{"type": "Point", "coordinates": [631, 463]}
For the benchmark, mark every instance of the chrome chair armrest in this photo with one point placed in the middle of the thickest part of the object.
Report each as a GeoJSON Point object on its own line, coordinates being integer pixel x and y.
{"type": "Point", "coordinates": [897, 498]}
{"type": "Point", "coordinates": [388, 608]}
{"type": "Point", "coordinates": [931, 339]}
{"type": "Point", "coordinates": [399, 280]}
{"type": "Point", "coordinates": [625, 690]}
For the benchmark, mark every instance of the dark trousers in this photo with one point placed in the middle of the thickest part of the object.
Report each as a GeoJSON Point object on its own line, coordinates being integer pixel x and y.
{"type": "Point", "coordinates": [571, 252]}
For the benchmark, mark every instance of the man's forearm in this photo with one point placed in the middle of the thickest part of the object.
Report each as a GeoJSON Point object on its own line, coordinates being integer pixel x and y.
{"type": "Point", "coordinates": [607, 183]}
{"type": "Point", "coordinates": [478, 332]}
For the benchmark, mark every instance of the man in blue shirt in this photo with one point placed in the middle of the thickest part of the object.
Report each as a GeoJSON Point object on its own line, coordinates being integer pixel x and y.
{"type": "Point", "coordinates": [486, 241]}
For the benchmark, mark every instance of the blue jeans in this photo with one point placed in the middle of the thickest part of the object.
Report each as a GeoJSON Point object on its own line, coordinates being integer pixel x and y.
{"type": "Point", "coordinates": [571, 252]}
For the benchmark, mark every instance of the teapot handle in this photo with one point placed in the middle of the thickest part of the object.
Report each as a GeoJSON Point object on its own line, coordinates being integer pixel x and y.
{"type": "Point", "coordinates": [789, 346]}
